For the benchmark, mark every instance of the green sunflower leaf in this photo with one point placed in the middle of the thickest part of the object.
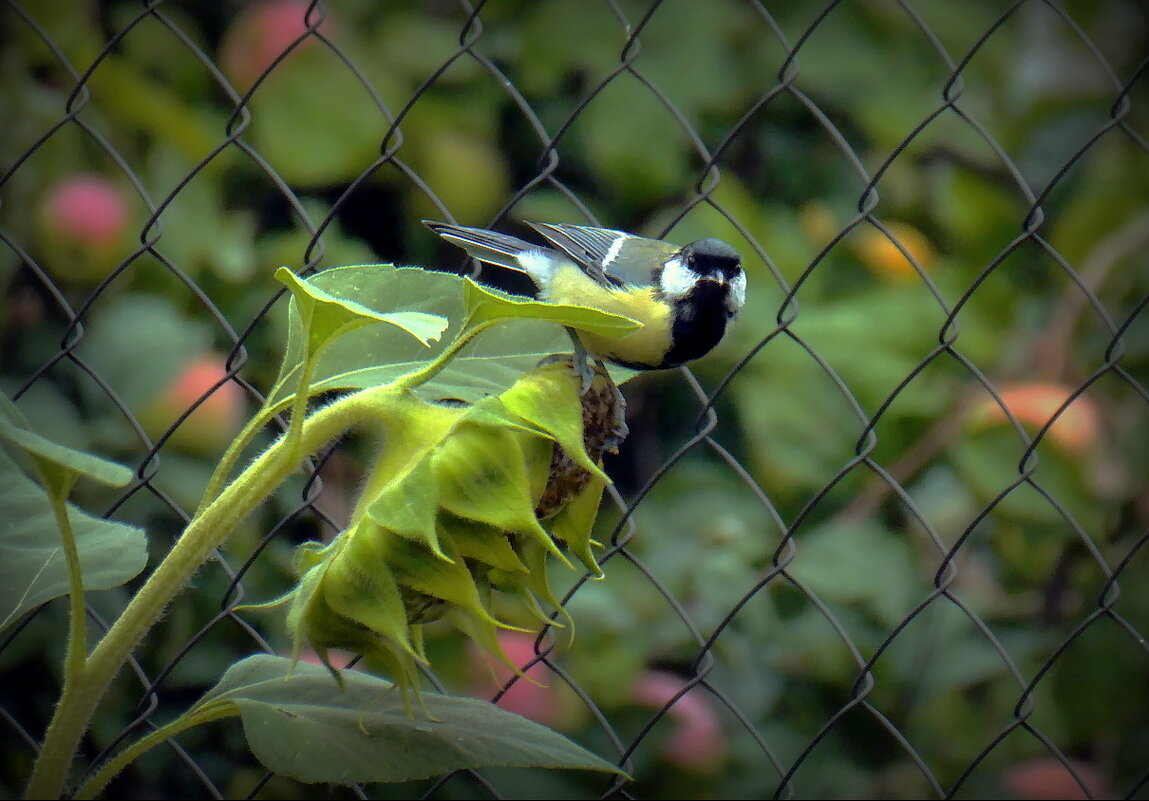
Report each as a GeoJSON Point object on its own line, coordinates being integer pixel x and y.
{"type": "Point", "coordinates": [300, 724]}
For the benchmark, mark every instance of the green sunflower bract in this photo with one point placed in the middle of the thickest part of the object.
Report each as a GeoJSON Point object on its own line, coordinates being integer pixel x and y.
{"type": "Point", "coordinates": [448, 513]}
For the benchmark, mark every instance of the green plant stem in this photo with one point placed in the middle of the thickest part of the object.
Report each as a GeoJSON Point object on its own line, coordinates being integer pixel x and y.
{"type": "Point", "coordinates": [110, 769]}
{"type": "Point", "coordinates": [77, 647]}
{"type": "Point", "coordinates": [204, 533]}
{"type": "Point", "coordinates": [233, 452]}
{"type": "Point", "coordinates": [75, 657]}
{"type": "Point", "coordinates": [299, 402]}
{"type": "Point", "coordinates": [412, 380]}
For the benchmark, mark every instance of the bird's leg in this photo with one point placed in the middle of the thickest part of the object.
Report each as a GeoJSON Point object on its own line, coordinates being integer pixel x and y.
{"type": "Point", "coordinates": [580, 364]}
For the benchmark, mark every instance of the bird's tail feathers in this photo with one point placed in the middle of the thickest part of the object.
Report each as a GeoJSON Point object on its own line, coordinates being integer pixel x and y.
{"type": "Point", "coordinates": [486, 246]}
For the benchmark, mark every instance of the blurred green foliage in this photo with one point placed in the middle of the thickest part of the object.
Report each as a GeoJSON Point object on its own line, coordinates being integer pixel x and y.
{"type": "Point", "coordinates": [864, 369]}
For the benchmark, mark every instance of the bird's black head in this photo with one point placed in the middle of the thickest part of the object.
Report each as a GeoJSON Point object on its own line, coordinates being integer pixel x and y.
{"type": "Point", "coordinates": [706, 268]}
{"type": "Point", "coordinates": [706, 287]}
{"type": "Point", "coordinates": [714, 259]}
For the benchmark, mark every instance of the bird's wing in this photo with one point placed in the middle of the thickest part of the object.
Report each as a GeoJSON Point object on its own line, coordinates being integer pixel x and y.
{"type": "Point", "coordinates": [608, 256]}
{"type": "Point", "coordinates": [486, 246]}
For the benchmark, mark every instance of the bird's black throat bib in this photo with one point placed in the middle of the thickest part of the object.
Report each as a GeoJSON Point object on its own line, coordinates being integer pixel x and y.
{"type": "Point", "coordinates": [699, 324]}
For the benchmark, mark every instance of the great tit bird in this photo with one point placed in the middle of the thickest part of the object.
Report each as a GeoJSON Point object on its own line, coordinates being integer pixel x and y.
{"type": "Point", "coordinates": [683, 296]}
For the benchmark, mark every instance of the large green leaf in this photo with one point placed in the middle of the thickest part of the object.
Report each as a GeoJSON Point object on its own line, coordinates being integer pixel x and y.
{"type": "Point", "coordinates": [380, 287]}
{"type": "Point", "coordinates": [32, 567]}
{"type": "Point", "coordinates": [378, 355]}
{"type": "Point", "coordinates": [54, 458]}
{"type": "Point", "coordinates": [300, 724]}
{"type": "Point", "coordinates": [328, 315]}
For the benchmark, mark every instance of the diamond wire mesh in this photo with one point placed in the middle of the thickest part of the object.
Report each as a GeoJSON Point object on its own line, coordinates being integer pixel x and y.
{"type": "Point", "coordinates": [888, 546]}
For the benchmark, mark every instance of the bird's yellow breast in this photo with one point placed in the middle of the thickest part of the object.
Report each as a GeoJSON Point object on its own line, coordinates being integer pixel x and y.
{"type": "Point", "coordinates": [646, 346]}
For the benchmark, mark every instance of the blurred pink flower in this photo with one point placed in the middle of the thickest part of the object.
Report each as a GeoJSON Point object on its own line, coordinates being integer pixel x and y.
{"type": "Point", "coordinates": [696, 741]}
{"type": "Point", "coordinates": [88, 209]}
{"type": "Point", "coordinates": [1047, 778]}
{"type": "Point", "coordinates": [261, 33]}
{"type": "Point", "coordinates": [339, 659]}
{"type": "Point", "coordinates": [538, 699]}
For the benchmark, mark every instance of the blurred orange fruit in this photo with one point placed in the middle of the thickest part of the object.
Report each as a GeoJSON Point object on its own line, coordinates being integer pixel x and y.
{"type": "Point", "coordinates": [882, 256]}
{"type": "Point", "coordinates": [1034, 405]}
{"type": "Point", "coordinates": [214, 422]}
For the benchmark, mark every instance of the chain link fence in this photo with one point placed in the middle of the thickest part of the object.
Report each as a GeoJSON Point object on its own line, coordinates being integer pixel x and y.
{"type": "Point", "coordinates": [886, 541]}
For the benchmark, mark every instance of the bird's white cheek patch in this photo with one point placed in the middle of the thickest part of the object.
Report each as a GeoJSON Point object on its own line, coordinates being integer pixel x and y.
{"type": "Point", "coordinates": [677, 279]}
{"type": "Point", "coordinates": [737, 297]}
